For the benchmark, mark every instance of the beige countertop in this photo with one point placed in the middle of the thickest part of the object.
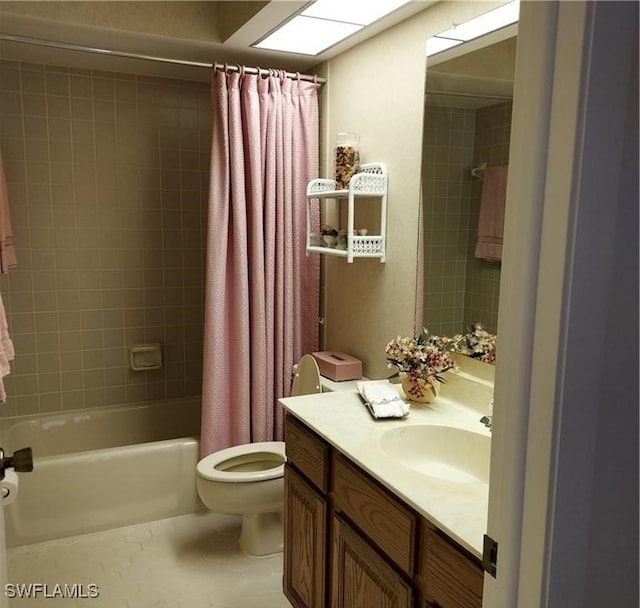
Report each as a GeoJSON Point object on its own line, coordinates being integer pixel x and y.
{"type": "Point", "coordinates": [458, 509]}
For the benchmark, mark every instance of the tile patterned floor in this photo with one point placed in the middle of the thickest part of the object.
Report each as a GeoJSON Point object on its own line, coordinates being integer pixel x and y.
{"type": "Point", "coordinates": [192, 561]}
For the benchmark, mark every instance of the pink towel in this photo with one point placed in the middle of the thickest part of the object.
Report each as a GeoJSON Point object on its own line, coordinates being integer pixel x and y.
{"type": "Point", "coordinates": [7, 250]}
{"type": "Point", "coordinates": [7, 260]}
{"type": "Point", "coordinates": [6, 350]}
{"type": "Point", "coordinates": [491, 219]}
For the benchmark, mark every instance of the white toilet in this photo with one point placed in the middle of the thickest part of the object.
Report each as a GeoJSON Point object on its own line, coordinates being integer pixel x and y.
{"type": "Point", "coordinates": [248, 479]}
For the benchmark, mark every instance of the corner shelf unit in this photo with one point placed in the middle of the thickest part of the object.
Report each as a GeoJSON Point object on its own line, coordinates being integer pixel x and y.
{"type": "Point", "coordinates": [369, 182]}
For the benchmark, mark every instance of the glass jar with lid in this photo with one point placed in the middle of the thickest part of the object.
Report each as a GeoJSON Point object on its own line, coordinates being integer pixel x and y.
{"type": "Point", "coordinates": [347, 158]}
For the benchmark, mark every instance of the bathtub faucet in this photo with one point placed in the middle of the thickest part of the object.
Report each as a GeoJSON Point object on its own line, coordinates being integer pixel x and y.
{"type": "Point", "coordinates": [21, 461]}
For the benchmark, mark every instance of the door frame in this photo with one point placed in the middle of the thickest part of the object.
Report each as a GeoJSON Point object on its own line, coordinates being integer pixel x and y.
{"type": "Point", "coordinates": [574, 60]}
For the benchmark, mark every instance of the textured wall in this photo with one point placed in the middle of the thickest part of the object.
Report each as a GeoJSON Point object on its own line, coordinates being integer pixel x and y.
{"type": "Point", "coordinates": [377, 89]}
{"type": "Point", "coordinates": [190, 20]}
{"type": "Point", "coordinates": [108, 179]}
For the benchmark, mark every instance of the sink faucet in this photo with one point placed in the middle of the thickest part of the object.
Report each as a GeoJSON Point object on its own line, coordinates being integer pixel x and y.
{"type": "Point", "coordinates": [487, 421]}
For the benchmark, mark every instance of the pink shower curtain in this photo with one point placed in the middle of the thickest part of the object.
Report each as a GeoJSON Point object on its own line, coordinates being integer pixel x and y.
{"type": "Point", "coordinates": [262, 294]}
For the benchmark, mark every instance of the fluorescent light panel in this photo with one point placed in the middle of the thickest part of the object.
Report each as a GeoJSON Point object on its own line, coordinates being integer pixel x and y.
{"type": "Point", "coordinates": [325, 23]}
{"type": "Point", "coordinates": [474, 28]}
{"type": "Point", "coordinates": [307, 35]}
{"type": "Point", "coordinates": [362, 12]}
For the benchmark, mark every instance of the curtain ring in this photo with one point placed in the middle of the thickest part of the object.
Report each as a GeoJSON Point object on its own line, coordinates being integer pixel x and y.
{"type": "Point", "coordinates": [226, 67]}
{"type": "Point", "coordinates": [315, 79]}
{"type": "Point", "coordinates": [298, 76]}
{"type": "Point", "coordinates": [241, 70]}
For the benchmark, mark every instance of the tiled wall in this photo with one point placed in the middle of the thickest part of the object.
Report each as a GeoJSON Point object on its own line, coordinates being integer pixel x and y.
{"type": "Point", "coordinates": [459, 288]}
{"type": "Point", "coordinates": [446, 191]}
{"type": "Point", "coordinates": [492, 133]}
{"type": "Point", "coordinates": [108, 179]}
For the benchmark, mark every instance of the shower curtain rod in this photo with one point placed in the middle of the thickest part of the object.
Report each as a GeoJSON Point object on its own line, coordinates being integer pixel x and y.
{"type": "Point", "coordinates": [89, 49]}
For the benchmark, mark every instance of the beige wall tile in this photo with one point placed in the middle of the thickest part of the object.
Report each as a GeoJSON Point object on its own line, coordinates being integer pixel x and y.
{"type": "Point", "coordinates": [96, 204]}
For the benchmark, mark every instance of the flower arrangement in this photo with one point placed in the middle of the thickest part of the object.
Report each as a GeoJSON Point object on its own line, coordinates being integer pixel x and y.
{"type": "Point", "coordinates": [476, 343]}
{"type": "Point", "coordinates": [328, 230]}
{"type": "Point", "coordinates": [420, 362]}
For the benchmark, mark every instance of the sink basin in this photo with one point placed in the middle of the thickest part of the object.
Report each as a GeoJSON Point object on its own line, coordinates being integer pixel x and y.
{"type": "Point", "coordinates": [445, 452]}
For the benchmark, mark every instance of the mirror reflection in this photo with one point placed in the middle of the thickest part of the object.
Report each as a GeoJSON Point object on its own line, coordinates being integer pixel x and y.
{"type": "Point", "coordinates": [467, 128]}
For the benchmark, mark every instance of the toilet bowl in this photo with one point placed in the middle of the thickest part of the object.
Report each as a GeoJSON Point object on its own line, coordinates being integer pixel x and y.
{"type": "Point", "coordinates": [248, 479]}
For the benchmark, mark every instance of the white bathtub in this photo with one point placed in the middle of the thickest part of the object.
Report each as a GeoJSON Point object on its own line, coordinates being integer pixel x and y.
{"type": "Point", "coordinates": [103, 468]}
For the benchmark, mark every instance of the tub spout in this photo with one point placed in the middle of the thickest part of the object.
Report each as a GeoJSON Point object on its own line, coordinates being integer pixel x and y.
{"type": "Point", "coordinates": [21, 461]}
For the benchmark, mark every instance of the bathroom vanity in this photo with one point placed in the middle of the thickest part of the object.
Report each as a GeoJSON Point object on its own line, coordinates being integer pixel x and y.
{"type": "Point", "coordinates": [365, 523]}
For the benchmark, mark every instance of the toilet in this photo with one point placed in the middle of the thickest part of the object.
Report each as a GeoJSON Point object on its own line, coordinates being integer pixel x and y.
{"type": "Point", "coordinates": [248, 480]}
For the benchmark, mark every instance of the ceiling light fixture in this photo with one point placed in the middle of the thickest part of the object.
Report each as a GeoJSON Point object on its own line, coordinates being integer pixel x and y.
{"type": "Point", "coordinates": [325, 23]}
{"type": "Point", "coordinates": [362, 12]}
{"type": "Point", "coordinates": [474, 28]}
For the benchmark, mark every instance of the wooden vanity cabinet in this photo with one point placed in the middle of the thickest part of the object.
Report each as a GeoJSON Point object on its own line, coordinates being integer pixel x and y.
{"type": "Point", "coordinates": [305, 516]}
{"type": "Point", "coordinates": [350, 543]}
{"type": "Point", "coordinates": [361, 577]}
{"type": "Point", "coordinates": [448, 577]}
{"type": "Point", "coordinates": [373, 541]}
{"type": "Point", "coordinates": [382, 518]}
{"type": "Point", "coordinates": [305, 542]}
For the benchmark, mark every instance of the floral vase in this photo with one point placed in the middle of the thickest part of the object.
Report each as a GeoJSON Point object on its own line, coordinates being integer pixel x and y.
{"type": "Point", "coordinates": [421, 390]}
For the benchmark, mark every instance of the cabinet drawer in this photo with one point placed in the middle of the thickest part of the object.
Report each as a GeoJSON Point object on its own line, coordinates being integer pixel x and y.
{"type": "Point", "coordinates": [307, 452]}
{"type": "Point", "coordinates": [382, 518]}
{"type": "Point", "coordinates": [448, 577]}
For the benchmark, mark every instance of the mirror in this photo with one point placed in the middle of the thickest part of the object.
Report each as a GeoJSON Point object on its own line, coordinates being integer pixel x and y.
{"type": "Point", "coordinates": [467, 123]}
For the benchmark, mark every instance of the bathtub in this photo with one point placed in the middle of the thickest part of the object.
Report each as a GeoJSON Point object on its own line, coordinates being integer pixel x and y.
{"type": "Point", "coordinates": [102, 468]}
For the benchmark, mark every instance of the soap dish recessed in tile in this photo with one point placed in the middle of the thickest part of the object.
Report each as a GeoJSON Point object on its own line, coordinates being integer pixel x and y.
{"type": "Point", "coordinates": [143, 357]}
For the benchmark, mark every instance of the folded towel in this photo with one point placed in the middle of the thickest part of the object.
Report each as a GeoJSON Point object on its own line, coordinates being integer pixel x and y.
{"type": "Point", "coordinates": [491, 218]}
{"type": "Point", "coordinates": [383, 399]}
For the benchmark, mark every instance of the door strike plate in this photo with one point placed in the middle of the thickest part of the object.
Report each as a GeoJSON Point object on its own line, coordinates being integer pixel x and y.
{"type": "Point", "coordinates": [490, 556]}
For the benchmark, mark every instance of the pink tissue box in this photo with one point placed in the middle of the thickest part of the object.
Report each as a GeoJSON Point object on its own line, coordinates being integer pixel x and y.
{"type": "Point", "coordinates": [338, 366]}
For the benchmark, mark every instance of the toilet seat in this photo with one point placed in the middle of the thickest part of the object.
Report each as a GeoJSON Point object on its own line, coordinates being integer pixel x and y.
{"type": "Point", "coordinates": [214, 466]}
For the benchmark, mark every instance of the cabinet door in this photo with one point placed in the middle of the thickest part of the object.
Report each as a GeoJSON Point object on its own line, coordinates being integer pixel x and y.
{"type": "Point", "coordinates": [360, 577]}
{"type": "Point", "coordinates": [448, 578]}
{"type": "Point", "coordinates": [305, 539]}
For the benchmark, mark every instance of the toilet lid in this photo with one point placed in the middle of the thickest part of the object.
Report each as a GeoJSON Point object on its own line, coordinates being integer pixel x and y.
{"type": "Point", "coordinates": [306, 378]}
{"type": "Point", "coordinates": [258, 461]}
